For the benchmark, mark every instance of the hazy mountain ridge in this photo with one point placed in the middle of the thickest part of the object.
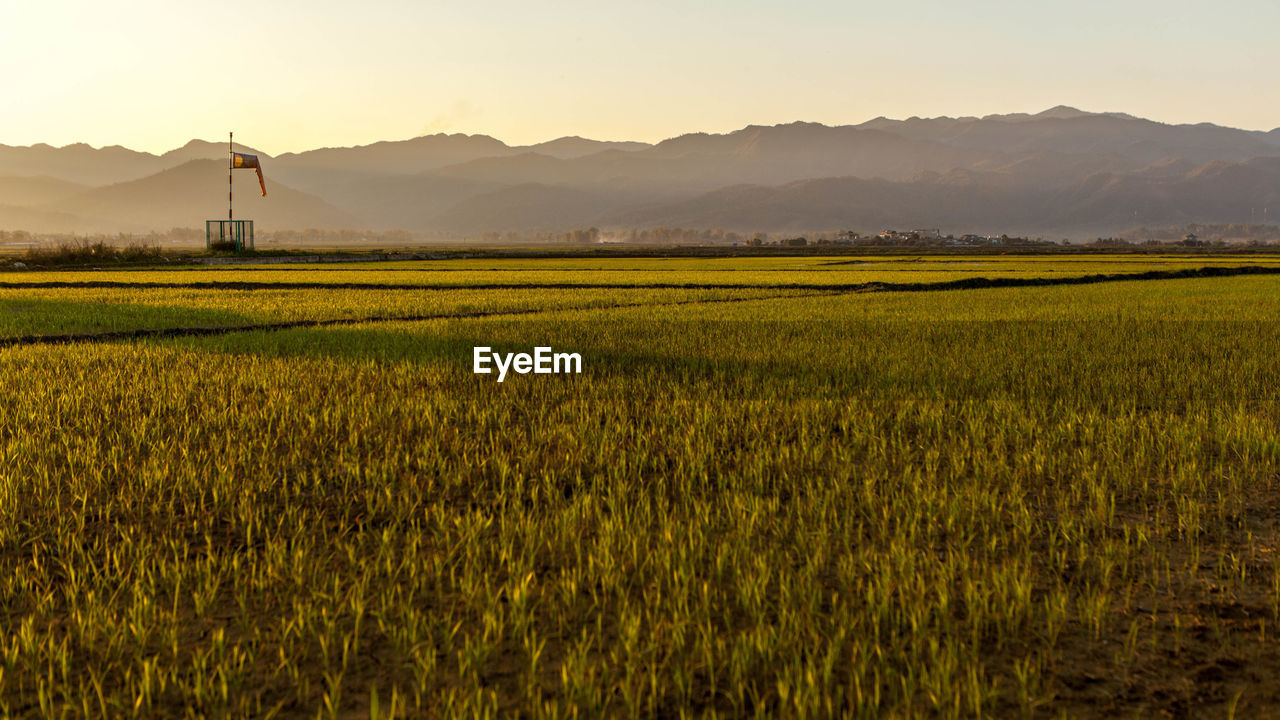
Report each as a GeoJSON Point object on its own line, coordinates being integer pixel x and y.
{"type": "Point", "coordinates": [205, 150]}
{"type": "Point", "coordinates": [186, 196]}
{"type": "Point", "coordinates": [529, 205]}
{"type": "Point", "coordinates": [567, 148]}
{"type": "Point", "coordinates": [78, 163]}
{"type": "Point", "coordinates": [1059, 171]}
{"type": "Point", "coordinates": [984, 202]}
{"type": "Point", "coordinates": [1135, 138]}
{"type": "Point", "coordinates": [400, 156]}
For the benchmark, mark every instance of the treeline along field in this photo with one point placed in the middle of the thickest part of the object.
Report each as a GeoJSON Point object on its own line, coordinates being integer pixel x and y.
{"type": "Point", "coordinates": [1014, 501]}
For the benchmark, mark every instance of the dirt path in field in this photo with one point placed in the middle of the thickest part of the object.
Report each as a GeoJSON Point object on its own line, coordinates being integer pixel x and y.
{"type": "Point", "coordinates": [145, 333]}
{"type": "Point", "coordinates": [815, 290]}
{"type": "Point", "coordinates": [973, 283]}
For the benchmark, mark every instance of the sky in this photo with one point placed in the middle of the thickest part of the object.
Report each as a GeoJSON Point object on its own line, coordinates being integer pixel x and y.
{"type": "Point", "coordinates": [290, 75]}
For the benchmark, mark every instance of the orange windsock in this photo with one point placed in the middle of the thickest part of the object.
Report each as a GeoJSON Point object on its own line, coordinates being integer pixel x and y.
{"type": "Point", "coordinates": [244, 161]}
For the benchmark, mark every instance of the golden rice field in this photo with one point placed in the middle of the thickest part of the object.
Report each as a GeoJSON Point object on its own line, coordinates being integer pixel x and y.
{"type": "Point", "coordinates": [779, 488]}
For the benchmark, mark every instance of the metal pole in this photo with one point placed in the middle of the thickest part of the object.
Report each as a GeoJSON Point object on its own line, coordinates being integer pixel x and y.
{"type": "Point", "coordinates": [231, 163]}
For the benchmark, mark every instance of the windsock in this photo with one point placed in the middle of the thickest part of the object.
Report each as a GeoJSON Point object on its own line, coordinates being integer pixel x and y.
{"type": "Point", "coordinates": [244, 161]}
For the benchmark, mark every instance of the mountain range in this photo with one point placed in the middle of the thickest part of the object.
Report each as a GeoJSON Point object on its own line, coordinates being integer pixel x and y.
{"type": "Point", "coordinates": [1062, 172]}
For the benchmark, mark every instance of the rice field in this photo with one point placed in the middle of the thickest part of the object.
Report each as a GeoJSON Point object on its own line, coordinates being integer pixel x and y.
{"type": "Point", "coordinates": [768, 494]}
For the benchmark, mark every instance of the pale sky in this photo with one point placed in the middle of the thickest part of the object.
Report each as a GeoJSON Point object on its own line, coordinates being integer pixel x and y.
{"type": "Point", "coordinates": [291, 75]}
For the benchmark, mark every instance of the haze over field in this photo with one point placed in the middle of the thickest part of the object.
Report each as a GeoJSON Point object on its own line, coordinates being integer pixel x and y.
{"type": "Point", "coordinates": [1059, 172]}
{"type": "Point", "coordinates": [290, 76]}
{"type": "Point", "coordinates": [695, 106]}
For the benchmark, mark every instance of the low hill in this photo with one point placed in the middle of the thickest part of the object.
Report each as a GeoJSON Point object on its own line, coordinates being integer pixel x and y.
{"type": "Point", "coordinates": [529, 207]}
{"type": "Point", "coordinates": [193, 192]}
{"type": "Point", "coordinates": [400, 201]}
{"type": "Point", "coordinates": [26, 191]}
{"type": "Point", "coordinates": [47, 221]}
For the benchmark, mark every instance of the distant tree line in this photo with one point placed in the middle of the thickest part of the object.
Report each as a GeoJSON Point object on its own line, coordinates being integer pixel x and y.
{"type": "Point", "coordinates": [897, 239]}
{"type": "Point", "coordinates": [688, 236]}
{"type": "Point", "coordinates": [191, 236]}
{"type": "Point", "coordinates": [635, 236]}
{"type": "Point", "coordinates": [312, 236]}
{"type": "Point", "coordinates": [151, 239]}
{"type": "Point", "coordinates": [1201, 235]}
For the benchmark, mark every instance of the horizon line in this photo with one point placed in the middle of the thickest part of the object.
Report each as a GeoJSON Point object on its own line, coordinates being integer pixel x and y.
{"type": "Point", "coordinates": [1042, 113]}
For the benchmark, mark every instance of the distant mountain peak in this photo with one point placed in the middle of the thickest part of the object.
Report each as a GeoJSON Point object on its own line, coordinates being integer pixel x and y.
{"type": "Point", "coordinates": [575, 146]}
{"type": "Point", "coordinates": [193, 144]}
{"type": "Point", "coordinates": [452, 136]}
{"type": "Point", "coordinates": [197, 149]}
{"type": "Point", "coordinates": [1062, 112]}
{"type": "Point", "coordinates": [1057, 112]}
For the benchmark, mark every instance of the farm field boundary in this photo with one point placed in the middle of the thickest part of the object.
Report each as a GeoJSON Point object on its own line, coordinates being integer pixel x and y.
{"type": "Point", "coordinates": [146, 333]}
{"type": "Point", "coordinates": [975, 283]}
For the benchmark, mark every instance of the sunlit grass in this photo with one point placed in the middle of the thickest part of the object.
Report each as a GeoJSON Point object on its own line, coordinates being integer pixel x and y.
{"type": "Point", "coordinates": [990, 502]}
